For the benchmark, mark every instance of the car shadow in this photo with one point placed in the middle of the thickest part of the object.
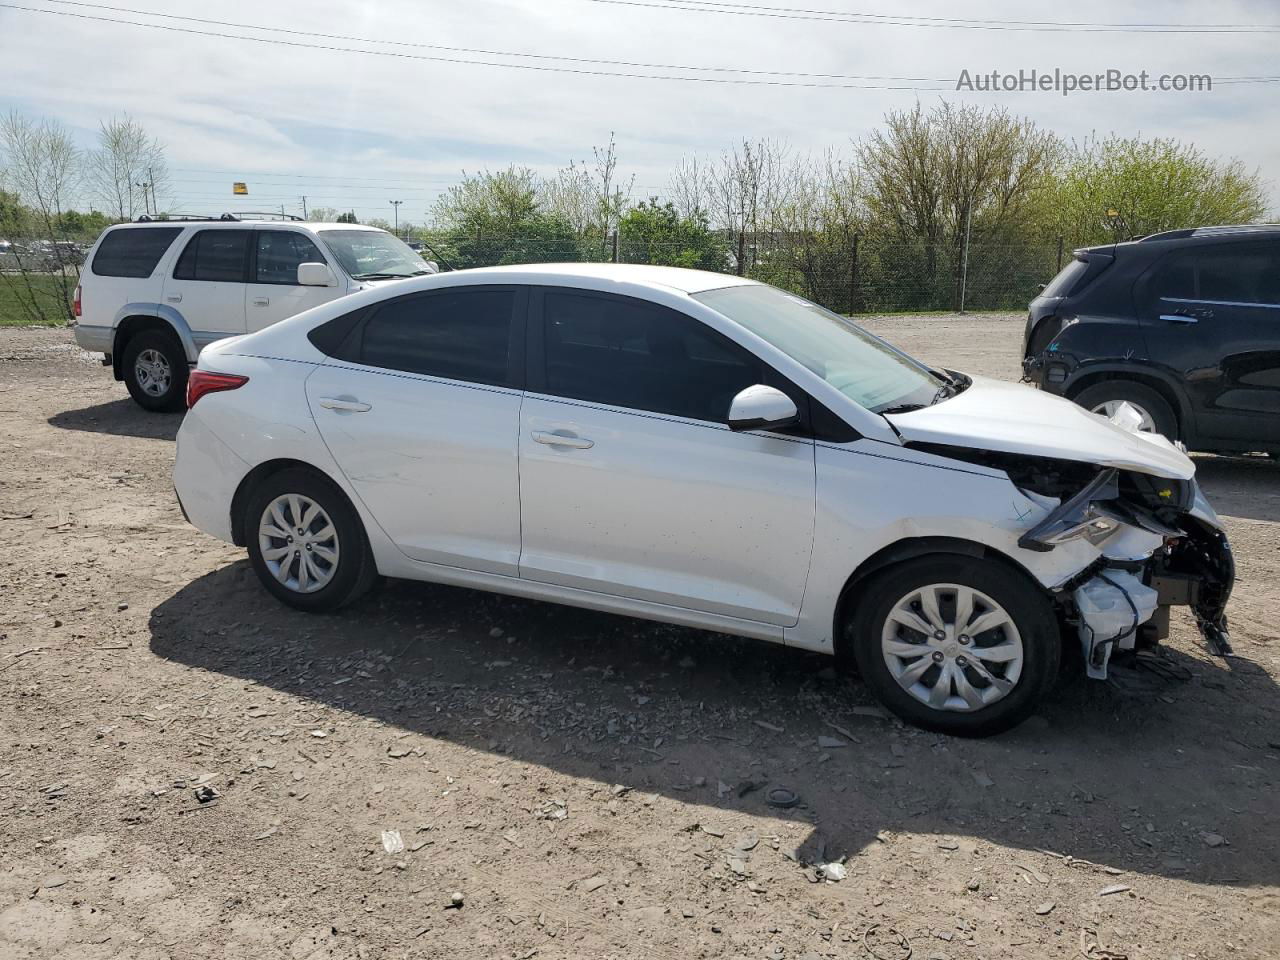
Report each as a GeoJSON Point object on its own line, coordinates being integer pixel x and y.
{"type": "Point", "coordinates": [1247, 487]}
{"type": "Point", "coordinates": [1139, 775]}
{"type": "Point", "coordinates": [123, 418]}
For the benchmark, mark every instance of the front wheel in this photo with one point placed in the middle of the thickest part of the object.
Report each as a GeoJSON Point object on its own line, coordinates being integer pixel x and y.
{"type": "Point", "coordinates": [960, 645]}
{"type": "Point", "coordinates": [306, 542]}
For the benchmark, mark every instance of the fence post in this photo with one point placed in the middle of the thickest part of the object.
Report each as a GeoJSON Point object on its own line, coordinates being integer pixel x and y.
{"type": "Point", "coordinates": [1059, 254]}
{"type": "Point", "coordinates": [853, 273]}
{"type": "Point", "coordinates": [614, 241]}
{"type": "Point", "coordinates": [964, 271]}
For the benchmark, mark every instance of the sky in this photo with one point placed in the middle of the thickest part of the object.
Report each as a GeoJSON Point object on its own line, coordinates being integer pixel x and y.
{"type": "Point", "coordinates": [356, 130]}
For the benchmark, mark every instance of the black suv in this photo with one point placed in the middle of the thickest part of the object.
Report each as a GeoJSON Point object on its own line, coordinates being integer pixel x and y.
{"type": "Point", "coordinates": [1184, 325]}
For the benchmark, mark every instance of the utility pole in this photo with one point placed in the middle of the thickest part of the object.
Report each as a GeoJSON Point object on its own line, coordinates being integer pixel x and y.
{"type": "Point", "coordinates": [151, 183]}
{"type": "Point", "coordinates": [304, 208]}
{"type": "Point", "coordinates": [146, 200]}
{"type": "Point", "coordinates": [395, 205]}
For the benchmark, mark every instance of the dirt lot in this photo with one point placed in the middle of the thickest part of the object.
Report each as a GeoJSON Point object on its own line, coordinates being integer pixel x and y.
{"type": "Point", "coordinates": [591, 786]}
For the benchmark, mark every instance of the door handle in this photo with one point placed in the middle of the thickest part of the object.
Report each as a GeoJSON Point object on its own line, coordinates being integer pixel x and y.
{"type": "Point", "coordinates": [1178, 318]}
{"type": "Point", "coordinates": [562, 440]}
{"type": "Point", "coordinates": [260, 301]}
{"type": "Point", "coordinates": [174, 298]}
{"type": "Point", "coordinates": [344, 404]}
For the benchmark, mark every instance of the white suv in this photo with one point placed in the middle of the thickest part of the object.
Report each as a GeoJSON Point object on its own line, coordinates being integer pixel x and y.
{"type": "Point", "coordinates": [155, 293]}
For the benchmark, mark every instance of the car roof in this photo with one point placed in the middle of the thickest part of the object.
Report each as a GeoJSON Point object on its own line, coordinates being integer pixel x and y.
{"type": "Point", "coordinates": [672, 278]}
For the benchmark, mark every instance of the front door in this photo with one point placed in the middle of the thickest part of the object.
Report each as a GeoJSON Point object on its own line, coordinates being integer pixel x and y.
{"type": "Point", "coordinates": [421, 412]}
{"type": "Point", "coordinates": [631, 483]}
{"type": "Point", "coordinates": [207, 284]}
{"type": "Point", "coordinates": [1213, 314]}
{"type": "Point", "coordinates": [273, 292]}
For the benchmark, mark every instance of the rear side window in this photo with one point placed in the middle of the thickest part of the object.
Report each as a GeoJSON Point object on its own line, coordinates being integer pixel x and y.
{"type": "Point", "coordinates": [458, 335]}
{"type": "Point", "coordinates": [214, 255]}
{"type": "Point", "coordinates": [132, 252]}
{"type": "Point", "coordinates": [280, 252]}
{"type": "Point", "coordinates": [1067, 278]}
{"type": "Point", "coordinates": [1237, 273]}
{"type": "Point", "coordinates": [639, 355]}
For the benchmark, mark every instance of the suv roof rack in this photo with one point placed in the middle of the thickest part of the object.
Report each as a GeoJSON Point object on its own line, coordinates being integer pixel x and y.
{"type": "Point", "coordinates": [1221, 231]}
{"type": "Point", "coordinates": [225, 217]}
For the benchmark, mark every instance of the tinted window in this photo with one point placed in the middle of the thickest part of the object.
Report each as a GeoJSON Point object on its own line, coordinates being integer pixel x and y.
{"type": "Point", "coordinates": [214, 255]}
{"type": "Point", "coordinates": [1062, 284]}
{"type": "Point", "coordinates": [279, 254]}
{"type": "Point", "coordinates": [1234, 274]}
{"type": "Point", "coordinates": [629, 353]}
{"type": "Point", "coordinates": [464, 335]}
{"type": "Point", "coordinates": [132, 252]}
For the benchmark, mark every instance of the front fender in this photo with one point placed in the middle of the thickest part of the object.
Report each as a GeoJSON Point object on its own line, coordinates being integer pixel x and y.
{"type": "Point", "coordinates": [169, 315]}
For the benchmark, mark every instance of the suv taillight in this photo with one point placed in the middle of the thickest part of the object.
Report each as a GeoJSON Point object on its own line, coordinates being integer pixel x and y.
{"type": "Point", "coordinates": [75, 305]}
{"type": "Point", "coordinates": [201, 382]}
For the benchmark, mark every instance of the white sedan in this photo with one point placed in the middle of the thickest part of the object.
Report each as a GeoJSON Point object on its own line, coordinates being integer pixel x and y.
{"type": "Point", "coordinates": [704, 450]}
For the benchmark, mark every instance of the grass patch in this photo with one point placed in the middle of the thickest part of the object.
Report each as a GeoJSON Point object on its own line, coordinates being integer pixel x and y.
{"type": "Point", "coordinates": [15, 291]}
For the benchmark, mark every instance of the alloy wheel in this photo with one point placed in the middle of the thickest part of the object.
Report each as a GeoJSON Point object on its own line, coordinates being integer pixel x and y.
{"type": "Point", "coordinates": [153, 373]}
{"type": "Point", "coordinates": [952, 647]}
{"type": "Point", "coordinates": [299, 543]}
{"type": "Point", "coordinates": [1108, 409]}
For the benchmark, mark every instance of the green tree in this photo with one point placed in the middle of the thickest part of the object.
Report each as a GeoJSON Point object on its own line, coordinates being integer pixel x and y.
{"type": "Point", "coordinates": [1120, 187]}
{"type": "Point", "coordinates": [348, 217]}
{"type": "Point", "coordinates": [497, 218]}
{"type": "Point", "coordinates": [651, 232]}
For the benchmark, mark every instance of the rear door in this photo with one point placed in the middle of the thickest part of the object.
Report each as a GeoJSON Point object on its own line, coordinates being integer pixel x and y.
{"type": "Point", "coordinates": [420, 409]}
{"type": "Point", "coordinates": [207, 283]}
{"type": "Point", "coordinates": [631, 484]}
{"type": "Point", "coordinates": [273, 292]}
{"type": "Point", "coordinates": [1213, 315]}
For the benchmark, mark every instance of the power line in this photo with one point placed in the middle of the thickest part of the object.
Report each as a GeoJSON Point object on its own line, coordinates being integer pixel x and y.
{"type": "Point", "coordinates": [481, 63]}
{"type": "Point", "coordinates": [954, 23]}
{"type": "Point", "coordinates": [495, 53]}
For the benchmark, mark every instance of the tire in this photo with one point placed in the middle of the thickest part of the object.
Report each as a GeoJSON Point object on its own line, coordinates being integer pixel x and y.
{"type": "Point", "coordinates": [155, 370]}
{"type": "Point", "coordinates": [1027, 658]}
{"type": "Point", "coordinates": [337, 569]}
{"type": "Point", "coordinates": [1147, 401]}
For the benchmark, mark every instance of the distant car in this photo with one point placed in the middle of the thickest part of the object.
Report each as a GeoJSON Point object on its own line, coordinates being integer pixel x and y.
{"type": "Point", "coordinates": [155, 293]}
{"type": "Point", "coordinates": [1183, 325]}
{"type": "Point", "coordinates": [706, 450]}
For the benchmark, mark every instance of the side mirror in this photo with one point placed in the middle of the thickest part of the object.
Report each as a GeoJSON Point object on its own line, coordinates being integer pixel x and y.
{"type": "Point", "coordinates": [762, 408]}
{"type": "Point", "coordinates": [316, 275]}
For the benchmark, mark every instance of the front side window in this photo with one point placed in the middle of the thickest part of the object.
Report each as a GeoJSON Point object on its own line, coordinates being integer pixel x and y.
{"type": "Point", "coordinates": [642, 356]}
{"type": "Point", "coordinates": [132, 251]}
{"type": "Point", "coordinates": [280, 253]}
{"type": "Point", "coordinates": [864, 368]}
{"type": "Point", "coordinates": [214, 255]}
{"type": "Point", "coordinates": [458, 335]}
{"type": "Point", "coordinates": [373, 255]}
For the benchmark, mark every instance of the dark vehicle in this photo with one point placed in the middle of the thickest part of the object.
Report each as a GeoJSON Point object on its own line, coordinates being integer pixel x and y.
{"type": "Point", "coordinates": [1184, 325]}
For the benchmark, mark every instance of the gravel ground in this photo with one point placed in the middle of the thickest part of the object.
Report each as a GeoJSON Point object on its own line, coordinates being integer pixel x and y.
{"type": "Point", "coordinates": [587, 785]}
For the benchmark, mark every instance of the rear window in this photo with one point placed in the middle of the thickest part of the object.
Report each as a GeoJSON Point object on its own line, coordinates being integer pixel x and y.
{"type": "Point", "coordinates": [1062, 284]}
{"type": "Point", "coordinates": [132, 252]}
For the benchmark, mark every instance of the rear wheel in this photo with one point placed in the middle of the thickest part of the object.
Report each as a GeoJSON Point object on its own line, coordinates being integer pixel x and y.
{"type": "Point", "coordinates": [956, 644]}
{"type": "Point", "coordinates": [306, 542]}
{"type": "Point", "coordinates": [1105, 399]}
{"type": "Point", "coordinates": [155, 370]}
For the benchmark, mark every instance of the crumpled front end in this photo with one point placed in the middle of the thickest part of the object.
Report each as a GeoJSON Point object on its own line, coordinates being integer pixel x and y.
{"type": "Point", "coordinates": [1161, 546]}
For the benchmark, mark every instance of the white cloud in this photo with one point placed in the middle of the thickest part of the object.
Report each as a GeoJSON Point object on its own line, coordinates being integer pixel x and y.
{"type": "Point", "coordinates": [247, 108]}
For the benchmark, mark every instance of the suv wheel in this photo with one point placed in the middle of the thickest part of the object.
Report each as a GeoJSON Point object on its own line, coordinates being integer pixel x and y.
{"type": "Point", "coordinates": [1105, 399]}
{"type": "Point", "coordinates": [956, 644]}
{"type": "Point", "coordinates": [155, 370]}
{"type": "Point", "coordinates": [306, 543]}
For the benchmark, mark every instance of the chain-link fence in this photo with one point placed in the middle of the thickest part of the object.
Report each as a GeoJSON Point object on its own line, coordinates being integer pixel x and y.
{"type": "Point", "coordinates": [857, 274]}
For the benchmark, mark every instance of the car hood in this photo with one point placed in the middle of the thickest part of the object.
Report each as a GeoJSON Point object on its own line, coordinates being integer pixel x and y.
{"type": "Point", "coordinates": [1012, 418]}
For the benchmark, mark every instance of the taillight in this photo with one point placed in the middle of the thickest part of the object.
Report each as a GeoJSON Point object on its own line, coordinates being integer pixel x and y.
{"type": "Point", "coordinates": [76, 303]}
{"type": "Point", "coordinates": [201, 382]}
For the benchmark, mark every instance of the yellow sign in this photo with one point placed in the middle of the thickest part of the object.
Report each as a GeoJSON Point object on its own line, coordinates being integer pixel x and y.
{"type": "Point", "coordinates": [1113, 212]}
{"type": "Point", "coordinates": [240, 189]}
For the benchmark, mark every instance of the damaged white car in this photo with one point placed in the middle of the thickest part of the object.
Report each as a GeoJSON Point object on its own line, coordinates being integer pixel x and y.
{"type": "Point", "coordinates": [702, 450]}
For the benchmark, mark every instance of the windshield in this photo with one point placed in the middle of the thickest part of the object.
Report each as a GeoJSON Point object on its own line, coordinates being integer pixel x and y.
{"type": "Point", "coordinates": [864, 368]}
{"type": "Point", "coordinates": [373, 255]}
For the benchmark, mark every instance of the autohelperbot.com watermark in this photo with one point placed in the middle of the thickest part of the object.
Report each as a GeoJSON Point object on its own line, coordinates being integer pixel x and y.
{"type": "Point", "coordinates": [1065, 83]}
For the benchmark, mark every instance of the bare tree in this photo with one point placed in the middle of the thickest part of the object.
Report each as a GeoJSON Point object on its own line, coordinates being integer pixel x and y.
{"type": "Point", "coordinates": [42, 168]}
{"type": "Point", "coordinates": [571, 196]}
{"type": "Point", "coordinates": [690, 187]}
{"type": "Point", "coordinates": [748, 188]}
{"type": "Point", "coordinates": [128, 165]}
